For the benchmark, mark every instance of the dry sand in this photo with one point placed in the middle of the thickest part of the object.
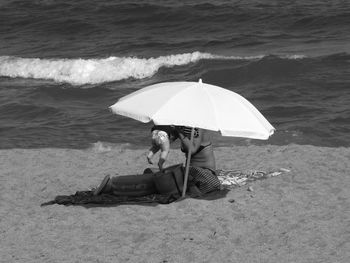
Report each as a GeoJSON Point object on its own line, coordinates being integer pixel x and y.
{"type": "Point", "coordinates": [300, 216]}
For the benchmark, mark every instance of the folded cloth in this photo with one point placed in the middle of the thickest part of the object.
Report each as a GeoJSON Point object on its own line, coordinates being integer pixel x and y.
{"type": "Point", "coordinates": [231, 178]}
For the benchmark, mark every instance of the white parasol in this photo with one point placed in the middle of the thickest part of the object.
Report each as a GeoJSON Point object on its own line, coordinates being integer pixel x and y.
{"type": "Point", "coordinates": [195, 104]}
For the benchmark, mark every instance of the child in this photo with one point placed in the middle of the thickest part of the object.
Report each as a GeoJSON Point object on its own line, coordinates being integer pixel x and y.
{"type": "Point", "coordinates": [162, 136]}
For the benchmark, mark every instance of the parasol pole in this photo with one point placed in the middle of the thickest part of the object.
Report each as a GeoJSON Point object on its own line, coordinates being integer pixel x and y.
{"type": "Point", "coordinates": [188, 159]}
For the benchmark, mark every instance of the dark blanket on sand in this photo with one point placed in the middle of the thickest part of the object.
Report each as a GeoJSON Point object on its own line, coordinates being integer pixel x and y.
{"type": "Point", "coordinates": [87, 197]}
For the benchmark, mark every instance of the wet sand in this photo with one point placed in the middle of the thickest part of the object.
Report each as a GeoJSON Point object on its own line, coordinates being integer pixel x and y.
{"type": "Point", "coordinates": [300, 216]}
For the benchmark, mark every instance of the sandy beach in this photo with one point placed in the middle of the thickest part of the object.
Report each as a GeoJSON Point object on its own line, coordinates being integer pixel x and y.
{"type": "Point", "coordinates": [299, 216]}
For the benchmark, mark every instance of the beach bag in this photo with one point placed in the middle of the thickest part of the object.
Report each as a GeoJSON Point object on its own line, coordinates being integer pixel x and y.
{"type": "Point", "coordinates": [170, 181]}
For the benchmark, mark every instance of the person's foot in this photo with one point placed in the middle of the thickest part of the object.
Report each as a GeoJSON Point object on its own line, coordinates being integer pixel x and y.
{"type": "Point", "coordinates": [194, 191]}
{"type": "Point", "coordinates": [102, 186]}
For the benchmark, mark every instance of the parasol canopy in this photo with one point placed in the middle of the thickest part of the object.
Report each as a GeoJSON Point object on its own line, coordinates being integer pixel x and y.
{"type": "Point", "coordinates": [195, 104]}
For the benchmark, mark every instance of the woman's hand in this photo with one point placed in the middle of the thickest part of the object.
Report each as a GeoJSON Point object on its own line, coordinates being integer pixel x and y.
{"type": "Point", "coordinates": [180, 132]}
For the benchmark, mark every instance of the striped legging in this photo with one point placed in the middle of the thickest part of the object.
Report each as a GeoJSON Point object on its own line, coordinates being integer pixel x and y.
{"type": "Point", "coordinates": [204, 179]}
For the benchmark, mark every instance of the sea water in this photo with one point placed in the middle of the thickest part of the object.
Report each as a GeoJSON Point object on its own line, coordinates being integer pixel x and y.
{"type": "Point", "coordinates": [63, 63]}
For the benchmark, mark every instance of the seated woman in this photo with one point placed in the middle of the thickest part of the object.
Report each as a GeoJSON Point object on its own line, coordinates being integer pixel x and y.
{"type": "Point", "coordinates": [202, 170]}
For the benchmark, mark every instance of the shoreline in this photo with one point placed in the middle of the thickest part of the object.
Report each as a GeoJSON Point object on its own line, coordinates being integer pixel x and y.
{"type": "Point", "coordinates": [300, 216]}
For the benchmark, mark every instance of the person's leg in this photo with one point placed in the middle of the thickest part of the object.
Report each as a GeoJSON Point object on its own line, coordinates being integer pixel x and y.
{"type": "Point", "coordinates": [152, 151]}
{"type": "Point", "coordinates": [205, 179]}
{"type": "Point", "coordinates": [127, 185]}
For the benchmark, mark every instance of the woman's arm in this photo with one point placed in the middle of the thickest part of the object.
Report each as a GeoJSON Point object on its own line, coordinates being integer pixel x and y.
{"type": "Point", "coordinates": [186, 142]}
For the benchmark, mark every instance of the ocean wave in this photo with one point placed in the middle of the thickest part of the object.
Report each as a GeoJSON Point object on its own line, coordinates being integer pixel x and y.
{"type": "Point", "coordinates": [95, 71]}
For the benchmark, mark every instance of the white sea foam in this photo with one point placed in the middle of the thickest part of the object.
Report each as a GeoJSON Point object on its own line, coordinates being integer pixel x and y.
{"type": "Point", "coordinates": [105, 147]}
{"type": "Point", "coordinates": [101, 147]}
{"type": "Point", "coordinates": [295, 56]}
{"type": "Point", "coordinates": [93, 71]}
